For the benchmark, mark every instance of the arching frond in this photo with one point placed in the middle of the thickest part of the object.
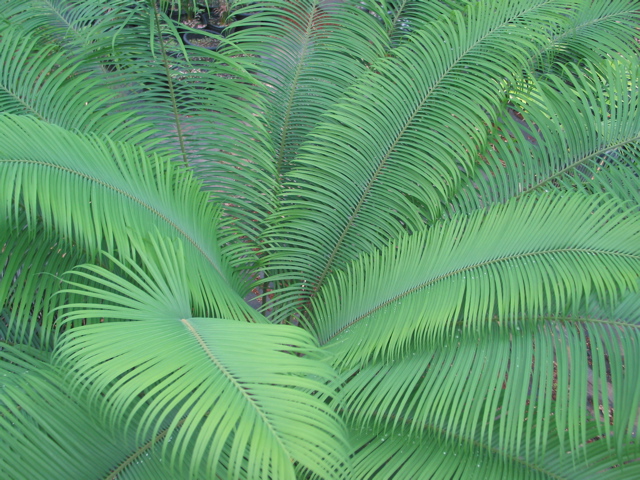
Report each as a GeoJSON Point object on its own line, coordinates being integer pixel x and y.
{"type": "Point", "coordinates": [52, 434]}
{"type": "Point", "coordinates": [46, 433]}
{"type": "Point", "coordinates": [441, 196]}
{"type": "Point", "coordinates": [379, 455]}
{"type": "Point", "coordinates": [394, 145]}
{"type": "Point", "coordinates": [37, 80]}
{"type": "Point", "coordinates": [581, 136]}
{"type": "Point", "coordinates": [160, 95]}
{"type": "Point", "coordinates": [599, 29]}
{"type": "Point", "coordinates": [255, 386]}
{"type": "Point", "coordinates": [31, 263]}
{"type": "Point", "coordinates": [525, 258]}
{"type": "Point", "coordinates": [551, 377]}
{"type": "Point", "coordinates": [92, 192]}
{"type": "Point", "coordinates": [307, 55]}
{"type": "Point", "coordinates": [401, 17]}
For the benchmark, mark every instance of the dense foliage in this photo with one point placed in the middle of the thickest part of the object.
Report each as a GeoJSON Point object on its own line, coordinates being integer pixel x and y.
{"type": "Point", "coordinates": [378, 239]}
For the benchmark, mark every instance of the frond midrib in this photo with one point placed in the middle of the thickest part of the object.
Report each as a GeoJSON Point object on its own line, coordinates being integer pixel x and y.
{"type": "Point", "coordinates": [59, 15]}
{"type": "Point", "coordinates": [591, 251]}
{"type": "Point", "coordinates": [26, 106]}
{"type": "Point", "coordinates": [236, 384]}
{"type": "Point", "coordinates": [280, 152]}
{"type": "Point", "coordinates": [172, 94]}
{"type": "Point", "coordinates": [139, 451]}
{"type": "Point", "coordinates": [579, 162]}
{"type": "Point", "coordinates": [129, 196]}
{"type": "Point", "coordinates": [440, 431]}
{"type": "Point", "coordinates": [558, 38]}
{"type": "Point", "coordinates": [396, 17]}
{"type": "Point", "coordinates": [363, 197]}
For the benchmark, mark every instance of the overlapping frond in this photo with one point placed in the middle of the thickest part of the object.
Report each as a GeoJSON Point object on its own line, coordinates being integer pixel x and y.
{"type": "Point", "coordinates": [46, 433]}
{"type": "Point", "coordinates": [524, 258]}
{"type": "Point", "coordinates": [443, 194]}
{"type": "Point", "coordinates": [599, 29]}
{"type": "Point", "coordinates": [256, 387]}
{"type": "Point", "coordinates": [401, 17]}
{"type": "Point", "coordinates": [31, 263]}
{"type": "Point", "coordinates": [54, 435]}
{"type": "Point", "coordinates": [394, 147]}
{"type": "Point", "coordinates": [524, 385]}
{"type": "Point", "coordinates": [184, 102]}
{"type": "Point", "coordinates": [97, 194]}
{"type": "Point", "coordinates": [380, 455]}
{"type": "Point", "coordinates": [57, 21]}
{"type": "Point", "coordinates": [36, 79]}
{"type": "Point", "coordinates": [307, 56]}
{"type": "Point", "coordinates": [579, 132]}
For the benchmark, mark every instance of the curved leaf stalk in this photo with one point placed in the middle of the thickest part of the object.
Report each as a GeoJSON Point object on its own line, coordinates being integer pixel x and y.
{"type": "Point", "coordinates": [172, 95]}
{"type": "Point", "coordinates": [342, 222]}
{"type": "Point", "coordinates": [356, 329]}
{"type": "Point", "coordinates": [136, 455]}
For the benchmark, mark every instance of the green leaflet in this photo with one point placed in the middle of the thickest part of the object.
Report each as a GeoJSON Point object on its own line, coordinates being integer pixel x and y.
{"type": "Point", "coordinates": [116, 190]}
{"type": "Point", "coordinates": [439, 198]}
{"type": "Point", "coordinates": [524, 258]}
{"type": "Point", "coordinates": [572, 147]}
{"type": "Point", "coordinates": [542, 379]}
{"type": "Point", "coordinates": [60, 436]}
{"type": "Point", "coordinates": [378, 454]}
{"type": "Point", "coordinates": [217, 381]}
{"type": "Point", "coordinates": [392, 144]}
{"type": "Point", "coordinates": [329, 46]}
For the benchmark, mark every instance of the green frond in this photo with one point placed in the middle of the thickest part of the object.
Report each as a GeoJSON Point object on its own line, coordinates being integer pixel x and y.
{"type": "Point", "coordinates": [37, 80]}
{"type": "Point", "coordinates": [381, 456]}
{"type": "Point", "coordinates": [522, 385]}
{"type": "Point", "coordinates": [31, 264]}
{"type": "Point", "coordinates": [439, 197]}
{"type": "Point", "coordinates": [161, 96]}
{"type": "Point", "coordinates": [394, 144]}
{"type": "Point", "coordinates": [583, 135]}
{"type": "Point", "coordinates": [97, 194]}
{"type": "Point", "coordinates": [255, 386]}
{"type": "Point", "coordinates": [308, 55]}
{"type": "Point", "coordinates": [527, 258]}
{"type": "Point", "coordinates": [55, 435]}
{"type": "Point", "coordinates": [599, 30]}
{"type": "Point", "coordinates": [95, 34]}
{"type": "Point", "coordinates": [44, 433]}
{"type": "Point", "coordinates": [402, 17]}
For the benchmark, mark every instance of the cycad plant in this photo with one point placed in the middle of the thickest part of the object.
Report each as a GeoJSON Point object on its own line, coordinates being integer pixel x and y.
{"type": "Point", "coordinates": [374, 239]}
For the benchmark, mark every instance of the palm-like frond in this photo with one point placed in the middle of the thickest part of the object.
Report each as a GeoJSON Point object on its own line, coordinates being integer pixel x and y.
{"type": "Point", "coordinates": [46, 433]}
{"type": "Point", "coordinates": [380, 455]}
{"type": "Point", "coordinates": [381, 166]}
{"type": "Point", "coordinates": [230, 381]}
{"type": "Point", "coordinates": [586, 38]}
{"type": "Point", "coordinates": [37, 416]}
{"type": "Point", "coordinates": [164, 93]}
{"type": "Point", "coordinates": [558, 140]}
{"type": "Point", "coordinates": [111, 186]}
{"type": "Point", "coordinates": [393, 145]}
{"type": "Point", "coordinates": [307, 55]}
{"type": "Point", "coordinates": [29, 281]}
{"type": "Point", "coordinates": [517, 259]}
{"type": "Point", "coordinates": [561, 378]}
{"type": "Point", "coordinates": [37, 80]}
{"type": "Point", "coordinates": [552, 365]}
{"type": "Point", "coordinates": [401, 17]}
